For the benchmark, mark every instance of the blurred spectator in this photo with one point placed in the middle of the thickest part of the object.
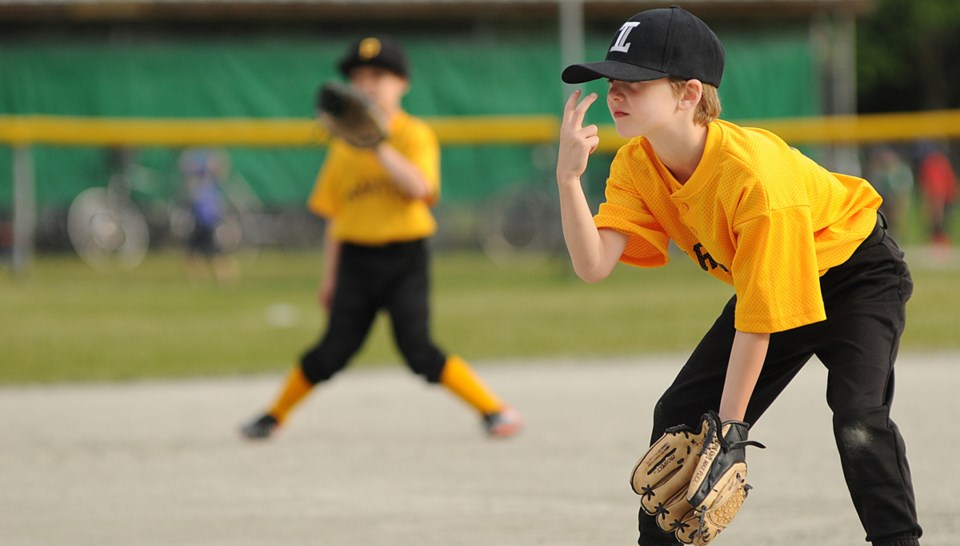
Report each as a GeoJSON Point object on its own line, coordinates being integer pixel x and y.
{"type": "Point", "coordinates": [938, 182]}
{"type": "Point", "coordinates": [203, 173]}
{"type": "Point", "coordinates": [892, 177]}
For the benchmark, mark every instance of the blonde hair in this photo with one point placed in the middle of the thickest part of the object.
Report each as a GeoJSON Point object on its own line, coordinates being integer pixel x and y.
{"type": "Point", "coordinates": [709, 107]}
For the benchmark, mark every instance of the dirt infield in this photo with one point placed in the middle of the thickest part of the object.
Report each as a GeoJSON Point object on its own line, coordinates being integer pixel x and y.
{"type": "Point", "coordinates": [378, 458]}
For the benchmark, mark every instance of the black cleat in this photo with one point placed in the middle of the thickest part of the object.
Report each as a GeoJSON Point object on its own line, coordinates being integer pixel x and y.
{"type": "Point", "coordinates": [503, 424]}
{"type": "Point", "coordinates": [260, 428]}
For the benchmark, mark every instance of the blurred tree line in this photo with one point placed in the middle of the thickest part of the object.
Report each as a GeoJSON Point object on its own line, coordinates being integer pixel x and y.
{"type": "Point", "coordinates": [908, 56]}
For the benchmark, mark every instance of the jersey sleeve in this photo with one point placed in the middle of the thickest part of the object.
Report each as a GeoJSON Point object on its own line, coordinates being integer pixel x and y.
{"type": "Point", "coordinates": [625, 211]}
{"type": "Point", "coordinates": [775, 272]}
{"type": "Point", "coordinates": [323, 198]}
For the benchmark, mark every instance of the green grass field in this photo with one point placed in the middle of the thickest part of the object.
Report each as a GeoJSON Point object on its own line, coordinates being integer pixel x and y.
{"type": "Point", "coordinates": [65, 322]}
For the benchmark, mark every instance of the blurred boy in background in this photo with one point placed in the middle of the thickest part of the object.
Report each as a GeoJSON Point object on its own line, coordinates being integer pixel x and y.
{"type": "Point", "coordinates": [938, 182]}
{"type": "Point", "coordinates": [892, 177]}
{"type": "Point", "coordinates": [204, 173]}
{"type": "Point", "coordinates": [377, 204]}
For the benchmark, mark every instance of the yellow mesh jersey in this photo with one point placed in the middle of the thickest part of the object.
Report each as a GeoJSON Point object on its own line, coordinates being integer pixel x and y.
{"type": "Point", "coordinates": [756, 214]}
{"type": "Point", "coordinates": [353, 188]}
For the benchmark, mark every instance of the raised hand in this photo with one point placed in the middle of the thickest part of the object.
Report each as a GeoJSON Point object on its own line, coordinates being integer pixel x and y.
{"type": "Point", "coordinates": [576, 141]}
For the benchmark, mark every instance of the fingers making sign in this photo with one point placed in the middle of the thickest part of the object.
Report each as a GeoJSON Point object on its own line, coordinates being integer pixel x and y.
{"type": "Point", "coordinates": [576, 141]}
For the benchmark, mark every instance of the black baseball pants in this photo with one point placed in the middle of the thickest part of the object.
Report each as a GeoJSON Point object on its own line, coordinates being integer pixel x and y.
{"type": "Point", "coordinates": [865, 305]}
{"type": "Point", "coordinates": [394, 277]}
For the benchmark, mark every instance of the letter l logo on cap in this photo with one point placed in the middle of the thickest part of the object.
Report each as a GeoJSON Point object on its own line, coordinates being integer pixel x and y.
{"type": "Point", "coordinates": [621, 44]}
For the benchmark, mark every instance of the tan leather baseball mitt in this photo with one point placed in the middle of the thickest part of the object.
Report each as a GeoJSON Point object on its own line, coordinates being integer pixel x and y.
{"type": "Point", "coordinates": [693, 481]}
{"type": "Point", "coordinates": [349, 114]}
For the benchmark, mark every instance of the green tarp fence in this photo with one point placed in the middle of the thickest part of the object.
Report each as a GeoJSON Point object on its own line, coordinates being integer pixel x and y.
{"type": "Point", "coordinates": [770, 73]}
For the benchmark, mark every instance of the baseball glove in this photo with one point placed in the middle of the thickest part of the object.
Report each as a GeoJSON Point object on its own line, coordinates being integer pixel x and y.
{"type": "Point", "coordinates": [349, 114]}
{"type": "Point", "coordinates": [719, 484]}
{"type": "Point", "coordinates": [687, 465]}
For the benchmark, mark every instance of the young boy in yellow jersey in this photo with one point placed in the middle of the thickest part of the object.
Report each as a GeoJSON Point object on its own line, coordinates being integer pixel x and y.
{"type": "Point", "coordinates": [813, 270]}
{"type": "Point", "coordinates": [377, 205]}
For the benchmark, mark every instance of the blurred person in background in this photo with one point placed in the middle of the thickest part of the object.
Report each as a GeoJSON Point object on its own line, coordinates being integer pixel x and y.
{"type": "Point", "coordinates": [203, 173]}
{"type": "Point", "coordinates": [376, 256]}
{"type": "Point", "coordinates": [938, 183]}
{"type": "Point", "coordinates": [892, 177]}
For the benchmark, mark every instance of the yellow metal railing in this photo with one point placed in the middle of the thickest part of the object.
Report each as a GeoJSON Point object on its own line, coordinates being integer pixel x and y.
{"type": "Point", "coordinates": [479, 130]}
{"type": "Point", "coordinates": [89, 131]}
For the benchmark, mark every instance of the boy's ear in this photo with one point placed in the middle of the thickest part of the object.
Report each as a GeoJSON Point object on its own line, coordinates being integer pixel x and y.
{"type": "Point", "coordinates": [692, 93]}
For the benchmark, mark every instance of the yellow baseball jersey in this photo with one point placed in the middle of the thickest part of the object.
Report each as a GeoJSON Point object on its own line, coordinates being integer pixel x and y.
{"type": "Point", "coordinates": [356, 192]}
{"type": "Point", "coordinates": [756, 214]}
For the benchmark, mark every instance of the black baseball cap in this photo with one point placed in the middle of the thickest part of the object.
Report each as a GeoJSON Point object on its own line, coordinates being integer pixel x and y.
{"type": "Point", "coordinates": [654, 44]}
{"type": "Point", "coordinates": [376, 50]}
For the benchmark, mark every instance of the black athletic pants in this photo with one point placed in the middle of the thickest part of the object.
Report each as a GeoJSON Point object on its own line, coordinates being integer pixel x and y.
{"type": "Point", "coordinates": [865, 299]}
{"type": "Point", "coordinates": [394, 277]}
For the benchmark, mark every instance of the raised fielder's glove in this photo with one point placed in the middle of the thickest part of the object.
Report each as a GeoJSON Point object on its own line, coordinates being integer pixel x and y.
{"type": "Point", "coordinates": [349, 114]}
{"type": "Point", "coordinates": [695, 481]}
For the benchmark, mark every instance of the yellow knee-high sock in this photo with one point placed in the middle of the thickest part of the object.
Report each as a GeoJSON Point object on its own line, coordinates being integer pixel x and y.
{"type": "Point", "coordinates": [462, 381]}
{"type": "Point", "coordinates": [294, 390]}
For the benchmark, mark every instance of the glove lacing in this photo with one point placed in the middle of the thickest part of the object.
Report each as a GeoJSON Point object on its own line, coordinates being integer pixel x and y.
{"type": "Point", "coordinates": [716, 428]}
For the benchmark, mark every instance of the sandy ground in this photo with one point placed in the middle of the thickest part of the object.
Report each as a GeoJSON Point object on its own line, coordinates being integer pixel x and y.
{"type": "Point", "coordinates": [378, 458]}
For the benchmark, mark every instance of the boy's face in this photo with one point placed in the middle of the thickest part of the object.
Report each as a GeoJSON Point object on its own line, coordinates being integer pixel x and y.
{"type": "Point", "coordinates": [384, 87]}
{"type": "Point", "coordinates": [641, 108]}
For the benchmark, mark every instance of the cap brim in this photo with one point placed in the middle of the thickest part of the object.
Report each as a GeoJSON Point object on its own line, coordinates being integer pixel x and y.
{"type": "Point", "coordinates": [347, 65]}
{"type": "Point", "coordinates": [612, 70]}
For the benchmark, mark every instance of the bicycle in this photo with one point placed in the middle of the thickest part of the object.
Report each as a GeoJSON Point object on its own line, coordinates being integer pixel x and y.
{"type": "Point", "coordinates": [111, 228]}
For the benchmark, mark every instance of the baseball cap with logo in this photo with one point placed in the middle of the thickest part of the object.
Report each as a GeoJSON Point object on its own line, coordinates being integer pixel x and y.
{"type": "Point", "coordinates": [380, 51]}
{"type": "Point", "coordinates": [654, 44]}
